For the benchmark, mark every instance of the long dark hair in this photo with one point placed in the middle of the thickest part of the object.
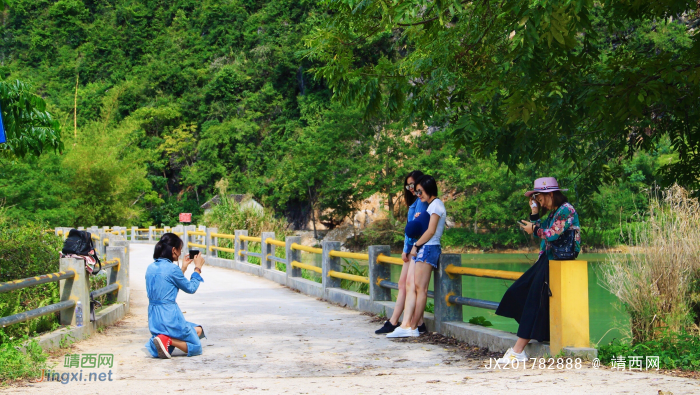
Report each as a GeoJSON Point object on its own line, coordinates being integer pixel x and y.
{"type": "Point", "coordinates": [408, 197]}
{"type": "Point", "coordinates": [558, 199]}
{"type": "Point", "coordinates": [164, 247]}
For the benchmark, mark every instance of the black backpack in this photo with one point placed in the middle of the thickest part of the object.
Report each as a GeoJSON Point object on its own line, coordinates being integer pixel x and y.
{"type": "Point", "coordinates": [79, 242]}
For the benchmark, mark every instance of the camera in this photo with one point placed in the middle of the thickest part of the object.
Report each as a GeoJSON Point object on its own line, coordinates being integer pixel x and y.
{"type": "Point", "coordinates": [193, 253]}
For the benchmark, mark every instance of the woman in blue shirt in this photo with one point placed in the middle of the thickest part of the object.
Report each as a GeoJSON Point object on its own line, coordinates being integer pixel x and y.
{"type": "Point", "coordinates": [164, 278]}
{"type": "Point", "coordinates": [415, 206]}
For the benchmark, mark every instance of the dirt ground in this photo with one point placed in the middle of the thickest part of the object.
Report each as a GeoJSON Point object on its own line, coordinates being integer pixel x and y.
{"type": "Point", "coordinates": [265, 338]}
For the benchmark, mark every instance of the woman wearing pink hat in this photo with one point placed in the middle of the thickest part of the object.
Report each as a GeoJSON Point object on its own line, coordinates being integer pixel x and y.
{"type": "Point", "coordinates": [527, 300]}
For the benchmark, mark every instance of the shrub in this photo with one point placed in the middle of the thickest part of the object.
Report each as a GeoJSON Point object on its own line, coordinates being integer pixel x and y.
{"type": "Point", "coordinates": [657, 281]}
{"type": "Point", "coordinates": [27, 250]}
{"type": "Point", "coordinates": [16, 363]}
{"type": "Point", "coordinates": [675, 350]}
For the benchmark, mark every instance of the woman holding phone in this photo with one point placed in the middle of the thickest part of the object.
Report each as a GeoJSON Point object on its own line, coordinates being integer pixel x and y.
{"type": "Point", "coordinates": [527, 300]}
{"type": "Point", "coordinates": [164, 279]}
{"type": "Point", "coordinates": [415, 207]}
{"type": "Point", "coordinates": [426, 255]}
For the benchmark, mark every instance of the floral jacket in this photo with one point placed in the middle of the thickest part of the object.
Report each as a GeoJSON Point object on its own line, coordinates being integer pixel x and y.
{"type": "Point", "coordinates": [555, 225]}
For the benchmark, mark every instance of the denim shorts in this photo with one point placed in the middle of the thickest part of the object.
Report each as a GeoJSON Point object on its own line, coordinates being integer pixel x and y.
{"type": "Point", "coordinates": [429, 254]}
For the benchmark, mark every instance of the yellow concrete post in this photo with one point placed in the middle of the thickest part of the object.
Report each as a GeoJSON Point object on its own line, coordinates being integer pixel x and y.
{"type": "Point", "coordinates": [568, 306]}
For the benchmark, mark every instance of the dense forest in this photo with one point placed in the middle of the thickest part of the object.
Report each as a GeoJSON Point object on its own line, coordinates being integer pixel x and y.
{"type": "Point", "coordinates": [158, 101]}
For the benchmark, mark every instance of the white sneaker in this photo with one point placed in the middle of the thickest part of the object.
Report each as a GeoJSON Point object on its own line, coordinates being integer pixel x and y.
{"type": "Point", "coordinates": [401, 332]}
{"type": "Point", "coordinates": [511, 356]}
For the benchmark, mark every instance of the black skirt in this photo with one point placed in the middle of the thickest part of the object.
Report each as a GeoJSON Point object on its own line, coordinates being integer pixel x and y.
{"type": "Point", "coordinates": [527, 301]}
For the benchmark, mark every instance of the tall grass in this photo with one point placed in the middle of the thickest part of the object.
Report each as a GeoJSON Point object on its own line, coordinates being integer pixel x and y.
{"type": "Point", "coordinates": [657, 282]}
{"type": "Point", "coordinates": [229, 215]}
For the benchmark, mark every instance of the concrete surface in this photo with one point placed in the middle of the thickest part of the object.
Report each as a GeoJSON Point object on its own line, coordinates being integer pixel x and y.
{"type": "Point", "coordinates": [265, 338]}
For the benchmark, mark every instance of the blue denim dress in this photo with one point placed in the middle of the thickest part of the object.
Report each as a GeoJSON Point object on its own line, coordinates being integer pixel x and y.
{"type": "Point", "coordinates": [163, 280]}
{"type": "Point", "coordinates": [417, 207]}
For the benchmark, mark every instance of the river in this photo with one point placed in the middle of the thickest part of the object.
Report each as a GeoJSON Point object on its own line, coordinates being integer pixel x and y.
{"type": "Point", "coordinates": [606, 318]}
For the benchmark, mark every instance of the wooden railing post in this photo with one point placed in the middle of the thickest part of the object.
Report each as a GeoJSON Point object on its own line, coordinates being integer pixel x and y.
{"type": "Point", "coordinates": [568, 305]}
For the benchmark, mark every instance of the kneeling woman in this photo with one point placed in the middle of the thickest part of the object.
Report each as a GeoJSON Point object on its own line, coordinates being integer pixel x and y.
{"type": "Point", "coordinates": [164, 278]}
{"type": "Point", "coordinates": [527, 300]}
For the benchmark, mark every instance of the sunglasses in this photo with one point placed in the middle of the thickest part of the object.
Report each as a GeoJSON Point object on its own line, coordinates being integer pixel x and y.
{"type": "Point", "coordinates": [419, 192]}
{"type": "Point", "coordinates": [410, 187]}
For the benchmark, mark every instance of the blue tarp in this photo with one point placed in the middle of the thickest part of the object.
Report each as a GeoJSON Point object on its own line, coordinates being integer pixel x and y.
{"type": "Point", "coordinates": [2, 130]}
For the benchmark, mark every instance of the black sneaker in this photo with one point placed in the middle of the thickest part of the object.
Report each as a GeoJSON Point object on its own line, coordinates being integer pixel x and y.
{"type": "Point", "coordinates": [422, 328]}
{"type": "Point", "coordinates": [387, 328]}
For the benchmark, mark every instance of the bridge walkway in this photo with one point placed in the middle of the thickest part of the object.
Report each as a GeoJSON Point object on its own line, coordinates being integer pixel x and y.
{"type": "Point", "coordinates": [265, 338]}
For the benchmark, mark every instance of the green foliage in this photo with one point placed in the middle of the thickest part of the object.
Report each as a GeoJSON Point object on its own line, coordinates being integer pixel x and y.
{"type": "Point", "coordinates": [675, 351]}
{"type": "Point", "coordinates": [351, 266]}
{"type": "Point", "coordinates": [17, 364]}
{"type": "Point", "coordinates": [480, 320]}
{"type": "Point", "coordinates": [27, 251]}
{"type": "Point", "coordinates": [29, 127]}
{"type": "Point", "coordinates": [174, 97]}
{"type": "Point", "coordinates": [584, 81]}
{"type": "Point", "coordinates": [430, 307]}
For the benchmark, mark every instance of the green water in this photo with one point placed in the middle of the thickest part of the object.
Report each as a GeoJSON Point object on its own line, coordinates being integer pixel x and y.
{"type": "Point", "coordinates": [604, 316]}
{"type": "Point", "coordinates": [605, 319]}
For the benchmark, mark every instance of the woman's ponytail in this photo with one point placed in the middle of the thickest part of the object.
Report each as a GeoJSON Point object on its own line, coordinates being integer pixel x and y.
{"type": "Point", "coordinates": [164, 247]}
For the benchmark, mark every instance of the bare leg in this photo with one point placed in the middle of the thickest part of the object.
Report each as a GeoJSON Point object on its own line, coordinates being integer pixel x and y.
{"type": "Point", "coordinates": [520, 345]}
{"type": "Point", "coordinates": [182, 346]}
{"type": "Point", "coordinates": [410, 304]}
{"type": "Point", "coordinates": [401, 297]}
{"type": "Point", "coordinates": [422, 280]}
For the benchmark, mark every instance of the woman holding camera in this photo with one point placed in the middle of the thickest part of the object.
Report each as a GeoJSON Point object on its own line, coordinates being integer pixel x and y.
{"type": "Point", "coordinates": [164, 278]}
{"type": "Point", "coordinates": [415, 206]}
{"type": "Point", "coordinates": [527, 300]}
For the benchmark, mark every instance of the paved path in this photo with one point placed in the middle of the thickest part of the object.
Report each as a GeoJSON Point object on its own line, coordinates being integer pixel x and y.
{"type": "Point", "coordinates": [265, 338]}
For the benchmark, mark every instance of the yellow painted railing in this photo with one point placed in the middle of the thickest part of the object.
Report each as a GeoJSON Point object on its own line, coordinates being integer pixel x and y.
{"type": "Point", "coordinates": [488, 273]}
{"type": "Point", "coordinates": [307, 267]}
{"type": "Point", "coordinates": [312, 250]}
{"type": "Point", "coordinates": [215, 248]}
{"type": "Point", "coordinates": [189, 244]}
{"type": "Point", "coordinates": [223, 236]}
{"type": "Point", "coordinates": [275, 242]}
{"type": "Point", "coordinates": [196, 233]}
{"type": "Point", "coordinates": [250, 238]}
{"type": "Point", "coordinates": [346, 276]}
{"type": "Point", "coordinates": [105, 241]}
{"type": "Point", "coordinates": [142, 230]}
{"type": "Point", "coordinates": [388, 259]}
{"type": "Point", "coordinates": [94, 236]}
{"type": "Point", "coordinates": [178, 233]}
{"type": "Point", "coordinates": [350, 255]}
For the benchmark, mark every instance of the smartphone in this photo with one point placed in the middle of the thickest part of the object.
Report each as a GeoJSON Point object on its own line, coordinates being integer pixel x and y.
{"type": "Point", "coordinates": [193, 253]}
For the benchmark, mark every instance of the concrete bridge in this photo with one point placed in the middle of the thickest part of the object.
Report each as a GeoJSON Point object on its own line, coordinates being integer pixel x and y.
{"type": "Point", "coordinates": [263, 337]}
{"type": "Point", "coordinates": [272, 331]}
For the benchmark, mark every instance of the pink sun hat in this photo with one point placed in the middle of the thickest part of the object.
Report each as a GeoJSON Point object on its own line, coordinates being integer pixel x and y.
{"type": "Point", "coordinates": [545, 185]}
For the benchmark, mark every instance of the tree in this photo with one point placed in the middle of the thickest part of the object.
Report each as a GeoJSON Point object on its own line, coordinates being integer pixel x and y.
{"type": "Point", "coordinates": [590, 81]}
{"type": "Point", "coordinates": [29, 127]}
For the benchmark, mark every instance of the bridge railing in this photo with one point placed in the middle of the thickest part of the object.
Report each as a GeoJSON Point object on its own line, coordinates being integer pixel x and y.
{"type": "Point", "coordinates": [569, 321]}
{"type": "Point", "coordinates": [74, 284]}
{"type": "Point", "coordinates": [569, 313]}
